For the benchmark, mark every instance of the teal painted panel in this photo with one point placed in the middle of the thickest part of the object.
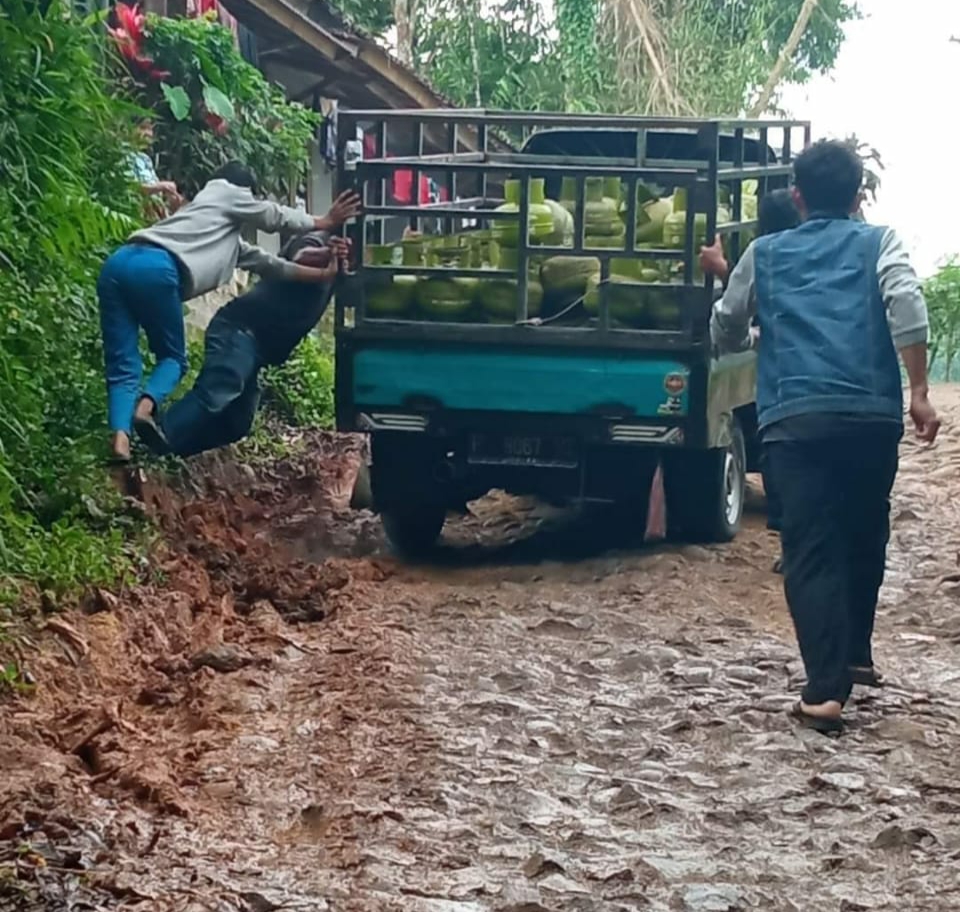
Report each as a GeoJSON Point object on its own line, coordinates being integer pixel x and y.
{"type": "Point", "coordinates": [556, 383]}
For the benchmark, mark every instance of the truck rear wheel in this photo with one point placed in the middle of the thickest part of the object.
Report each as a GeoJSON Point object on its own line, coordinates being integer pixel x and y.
{"type": "Point", "coordinates": [413, 531]}
{"type": "Point", "coordinates": [705, 491]}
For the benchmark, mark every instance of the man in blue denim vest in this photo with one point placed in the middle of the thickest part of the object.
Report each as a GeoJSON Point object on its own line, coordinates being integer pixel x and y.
{"type": "Point", "coordinates": [835, 300]}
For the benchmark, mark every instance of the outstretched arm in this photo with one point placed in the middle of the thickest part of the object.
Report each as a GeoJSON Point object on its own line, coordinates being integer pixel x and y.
{"type": "Point", "coordinates": [257, 260]}
{"type": "Point", "coordinates": [730, 321]}
{"type": "Point", "coordinates": [272, 217]}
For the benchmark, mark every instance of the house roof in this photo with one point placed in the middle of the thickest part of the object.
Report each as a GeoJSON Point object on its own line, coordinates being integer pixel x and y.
{"type": "Point", "coordinates": [311, 49]}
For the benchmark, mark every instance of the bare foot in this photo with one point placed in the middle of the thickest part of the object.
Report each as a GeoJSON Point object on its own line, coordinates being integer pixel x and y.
{"type": "Point", "coordinates": [145, 408]}
{"type": "Point", "coordinates": [832, 709]}
{"type": "Point", "coordinates": [120, 446]}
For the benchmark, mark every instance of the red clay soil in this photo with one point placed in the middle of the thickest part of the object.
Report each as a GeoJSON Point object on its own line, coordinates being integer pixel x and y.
{"type": "Point", "coordinates": [138, 689]}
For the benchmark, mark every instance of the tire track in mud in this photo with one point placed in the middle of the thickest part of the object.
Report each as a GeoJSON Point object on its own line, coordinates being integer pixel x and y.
{"type": "Point", "coordinates": [508, 731]}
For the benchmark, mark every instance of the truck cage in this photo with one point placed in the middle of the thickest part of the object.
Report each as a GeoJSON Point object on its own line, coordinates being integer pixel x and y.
{"type": "Point", "coordinates": [472, 143]}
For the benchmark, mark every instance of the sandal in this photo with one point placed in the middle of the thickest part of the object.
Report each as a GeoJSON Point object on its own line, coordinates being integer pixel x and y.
{"type": "Point", "coordinates": [822, 724]}
{"type": "Point", "coordinates": [778, 566]}
{"type": "Point", "coordinates": [866, 676]}
{"type": "Point", "coordinates": [152, 435]}
{"type": "Point", "coordinates": [116, 461]}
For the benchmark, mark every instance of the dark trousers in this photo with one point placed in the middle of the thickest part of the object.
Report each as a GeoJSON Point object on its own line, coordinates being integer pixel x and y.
{"type": "Point", "coordinates": [835, 496]}
{"type": "Point", "coordinates": [222, 404]}
{"type": "Point", "coordinates": [774, 509]}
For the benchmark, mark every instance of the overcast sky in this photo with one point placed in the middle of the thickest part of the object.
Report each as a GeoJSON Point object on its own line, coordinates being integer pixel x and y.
{"type": "Point", "coordinates": [897, 86]}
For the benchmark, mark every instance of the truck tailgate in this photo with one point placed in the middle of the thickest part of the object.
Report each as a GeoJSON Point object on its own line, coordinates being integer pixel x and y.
{"type": "Point", "coordinates": [627, 383]}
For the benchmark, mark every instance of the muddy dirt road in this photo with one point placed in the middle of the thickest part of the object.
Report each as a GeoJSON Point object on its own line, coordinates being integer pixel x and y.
{"type": "Point", "coordinates": [286, 718]}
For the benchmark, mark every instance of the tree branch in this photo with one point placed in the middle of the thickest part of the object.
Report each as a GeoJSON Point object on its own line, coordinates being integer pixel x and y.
{"type": "Point", "coordinates": [784, 58]}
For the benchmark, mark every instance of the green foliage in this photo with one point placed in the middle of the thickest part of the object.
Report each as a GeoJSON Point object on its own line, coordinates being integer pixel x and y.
{"type": "Point", "coordinates": [713, 55]}
{"type": "Point", "coordinates": [301, 391]}
{"type": "Point", "coordinates": [373, 16]}
{"type": "Point", "coordinates": [696, 57]}
{"type": "Point", "coordinates": [214, 106]}
{"type": "Point", "coordinates": [502, 56]}
{"type": "Point", "coordinates": [577, 22]}
{"type": "Point", "coordinates": [65, 197]}
{"type": "Point", "coordinates": [942, 292]}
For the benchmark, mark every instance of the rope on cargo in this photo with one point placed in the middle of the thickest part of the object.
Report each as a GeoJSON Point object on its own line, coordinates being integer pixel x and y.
{"type": "Point", "coordinates": [543, 321]}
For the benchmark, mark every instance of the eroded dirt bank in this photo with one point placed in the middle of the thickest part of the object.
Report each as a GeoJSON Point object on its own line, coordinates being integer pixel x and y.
{"type": "Point", "coordinates": [289, 719]}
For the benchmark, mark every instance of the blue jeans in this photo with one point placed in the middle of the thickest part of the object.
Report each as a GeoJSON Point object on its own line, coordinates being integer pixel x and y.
{"type": "Point", "coordinates": [139, 286]}
{"type": "Point", "coordinates": [222, 404]}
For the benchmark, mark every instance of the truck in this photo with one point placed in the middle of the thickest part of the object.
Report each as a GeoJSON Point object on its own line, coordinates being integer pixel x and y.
{"type": "Point", "coordinates": [528, 312]}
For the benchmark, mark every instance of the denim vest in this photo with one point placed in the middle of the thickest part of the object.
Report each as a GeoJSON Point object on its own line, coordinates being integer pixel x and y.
{"type": "Point", "coordinates": [825, 345]}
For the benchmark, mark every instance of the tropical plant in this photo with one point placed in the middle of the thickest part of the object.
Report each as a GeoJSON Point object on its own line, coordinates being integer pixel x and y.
{"type": "Point", "coordinates": [212, 106]}
{"type": "Point", "coordinates": [65, 197]}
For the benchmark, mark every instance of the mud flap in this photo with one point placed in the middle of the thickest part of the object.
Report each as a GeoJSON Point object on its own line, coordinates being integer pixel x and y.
{"type": "Point", "coordinates": [362, 496]}
{"type": "Point", "coordinates": [656, 529]}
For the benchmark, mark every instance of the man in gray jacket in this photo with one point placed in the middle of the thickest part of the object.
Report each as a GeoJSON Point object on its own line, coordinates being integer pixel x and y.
{"type": "Point", "coordinates": [835, 300]}
{"type": "Point", "coordinates": [195, 250]}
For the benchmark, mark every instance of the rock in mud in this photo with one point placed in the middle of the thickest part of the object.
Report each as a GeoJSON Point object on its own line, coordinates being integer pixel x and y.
{"type": "Point", "coordinates": [707, 898]}
{"type": "Point", "coordinates": [849, 782]}
{"type": "Point", "coordinates": [895, 837]}
{"type": "Point", "coordinates": [223, 658]}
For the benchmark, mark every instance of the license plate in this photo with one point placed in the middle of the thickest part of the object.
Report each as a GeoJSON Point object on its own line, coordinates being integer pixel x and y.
{"type": "Point", "coordinates": [520, 450]}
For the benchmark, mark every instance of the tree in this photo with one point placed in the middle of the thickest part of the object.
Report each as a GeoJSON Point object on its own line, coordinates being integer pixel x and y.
{"type": "Point", "coordinates": [693, 57]}
{"type": "Point", "coordinates": [707, 57]}
{"type": "Point", "coordinates": [942, 292]}
{"type": "Point", "coordinates": [577, 25]}
{"type": "Point", "coordinates": [499, 54]}
{"type": "Point", "coordinates": [405, 19]}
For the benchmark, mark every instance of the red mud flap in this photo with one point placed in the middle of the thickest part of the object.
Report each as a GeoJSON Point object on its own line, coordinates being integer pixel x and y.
{"type": "Point", "coordinates": [657, 510]}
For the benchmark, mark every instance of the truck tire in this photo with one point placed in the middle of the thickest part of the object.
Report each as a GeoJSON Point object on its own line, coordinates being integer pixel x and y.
{"type": "Point", "coordinates": [413, 531]}
{"type": "Point", "coordinates": [705, 491]}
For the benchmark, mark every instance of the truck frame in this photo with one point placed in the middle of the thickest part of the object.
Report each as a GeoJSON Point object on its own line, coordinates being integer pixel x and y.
{"type": "Point", "coordinates": [582, 412]}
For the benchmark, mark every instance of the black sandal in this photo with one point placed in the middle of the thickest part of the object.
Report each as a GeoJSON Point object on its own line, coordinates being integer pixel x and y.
{"type": "Point", "coordinates": [822, 724]}
{"type": "Point", "coordinates": [866, 676]}
{"type": "Point", "coordinates": [152, 435]}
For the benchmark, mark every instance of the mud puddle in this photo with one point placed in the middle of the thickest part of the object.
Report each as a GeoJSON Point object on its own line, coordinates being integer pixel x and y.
{"type": "Point", "coordinates": [543, 719]}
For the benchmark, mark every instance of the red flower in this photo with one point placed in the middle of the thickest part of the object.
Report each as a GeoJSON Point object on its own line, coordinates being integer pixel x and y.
{"type": "Point", "coordinates": [130, 35]}
{"type": "Point", "coordinates": [216, 123]}
{"type": "Point", "coordinates": [132, 22]}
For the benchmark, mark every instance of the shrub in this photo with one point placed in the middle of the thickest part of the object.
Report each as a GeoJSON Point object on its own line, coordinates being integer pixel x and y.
{"type": "Point", "coordinates": [212, 106]}
{"type": "Point", "coordinates": [301, 391]}
{"type": "Point", "coordinates": [65, 198]}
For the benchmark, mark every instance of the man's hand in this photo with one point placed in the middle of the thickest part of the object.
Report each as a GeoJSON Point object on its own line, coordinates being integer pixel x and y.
{"type": "Point", "coordinates": [924, 417]}
{"type": "Point", "coordinates": [713, 261]}
{"type": "Point", "coordinates": [169, 191]}
{"type": "Point", "coordinates": [324, 263]}
{"type": "Point", "coordinates": [321, 262]}
{"type": "Point", "coordinates": [345, 207]}
{"type": "Point", "coordinates": [341, 248]}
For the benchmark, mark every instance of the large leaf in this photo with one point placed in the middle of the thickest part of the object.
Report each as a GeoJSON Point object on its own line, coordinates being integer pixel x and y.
{"type": "Point", "coordinates": [178, 99]}
{"type": "Point", "coordinates": [218, 103]}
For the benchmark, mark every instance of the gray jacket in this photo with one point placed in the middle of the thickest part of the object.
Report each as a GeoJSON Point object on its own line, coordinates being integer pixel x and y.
{"type": "Point", "coordinates": [204, 236]}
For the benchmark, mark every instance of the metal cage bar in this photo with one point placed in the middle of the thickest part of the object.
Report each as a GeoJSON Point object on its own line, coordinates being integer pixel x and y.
{"type": "Point", "coordinates": [700, 177]}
